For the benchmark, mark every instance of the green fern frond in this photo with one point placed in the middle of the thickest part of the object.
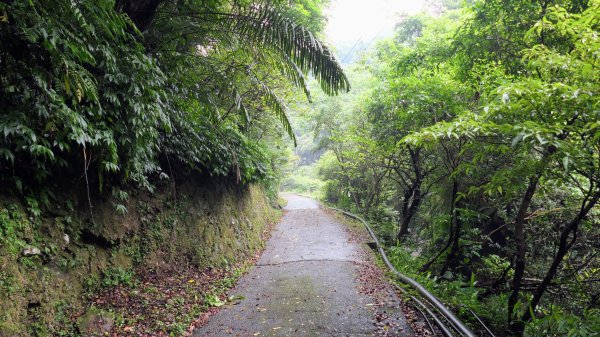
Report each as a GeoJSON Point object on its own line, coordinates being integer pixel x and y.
{"type": "Point", "coordinates": [277, 105]}
{"type": "Point", "coordinates": [270, 29]}
{"type": "Point", "coordinates": [290, 70]}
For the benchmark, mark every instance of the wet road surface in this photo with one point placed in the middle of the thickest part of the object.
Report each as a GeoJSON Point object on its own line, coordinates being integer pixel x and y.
{"type": "Point", "coordinates": [305, 283]}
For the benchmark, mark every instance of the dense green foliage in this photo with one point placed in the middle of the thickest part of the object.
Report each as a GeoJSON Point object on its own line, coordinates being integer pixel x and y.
{"type": "Point", "coordinates": [124, 93]}
{"type": "Point", "coordinates": [102, 103]}
{"type": "Point", "coordinates": [473, 137]}
{"type": "Point", "coordinates": [478, 150]}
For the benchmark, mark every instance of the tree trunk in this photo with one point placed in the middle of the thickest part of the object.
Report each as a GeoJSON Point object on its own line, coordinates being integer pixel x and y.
{"type": "Point", "coordinates": [412, 196]}
{"type": "Point", "coordinates": [517, 327]}
{"type": "Point", "coordinates": [564, 246]}
{"type": "Point", "coordinates": [141, 12]}
{"type": "Point", "coordinates": [405, 218]}
{"type": "Point", "coordinates": [455, 250]}
{"type": "Point", "coordinates": [355, 199]}
{"type": "Point", "coordinates": [375, 191]}
{"type": "Point", "coordinates": [455, 186]}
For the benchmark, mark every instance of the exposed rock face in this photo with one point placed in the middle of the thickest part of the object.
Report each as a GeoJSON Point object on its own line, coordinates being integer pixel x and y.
{"type": "Point", "coordinates": [31, 251]}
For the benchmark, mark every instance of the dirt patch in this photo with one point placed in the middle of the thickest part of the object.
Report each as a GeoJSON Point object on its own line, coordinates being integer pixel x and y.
{"type": "Point", "coordinates": [164, 302]}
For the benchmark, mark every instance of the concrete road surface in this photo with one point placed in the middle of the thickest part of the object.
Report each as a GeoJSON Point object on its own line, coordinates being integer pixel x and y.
{"type": "Point", "coordinates": [305, 284]}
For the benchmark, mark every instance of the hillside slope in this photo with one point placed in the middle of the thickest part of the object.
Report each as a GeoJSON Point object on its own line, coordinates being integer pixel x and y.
{"type": "Point", "coordinates": [51, 263]}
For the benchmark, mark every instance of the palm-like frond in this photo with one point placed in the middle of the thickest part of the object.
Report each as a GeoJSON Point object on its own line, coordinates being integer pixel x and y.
{"type": "Point", "coordinates": [267, 37]}
{"type": "Point", "coordinates": [277, 105]}
{"type": "Point", "coordinates": [238, 91]}
{"type": "Point", "coordinates": [290, 70]}
{"type": "Point", "coordinates": [270, 29]}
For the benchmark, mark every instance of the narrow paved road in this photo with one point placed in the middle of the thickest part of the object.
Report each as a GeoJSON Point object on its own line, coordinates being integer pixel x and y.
{"type": "Point", "coordinates": [305, 284]}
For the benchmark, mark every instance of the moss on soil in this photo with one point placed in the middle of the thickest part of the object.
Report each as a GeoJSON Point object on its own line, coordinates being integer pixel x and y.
{"type": "Point", "coordinates": [49, 264]}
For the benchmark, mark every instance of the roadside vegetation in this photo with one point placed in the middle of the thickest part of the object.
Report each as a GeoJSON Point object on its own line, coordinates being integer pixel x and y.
{"type": "Point", "coordinates": [140, 136]}
{"type": "Point", "coordinates": [129, 92]}
{"type": "Point", "coordinates": [471, 139]}
{"type": "Point", "coordinates": [473, 144]}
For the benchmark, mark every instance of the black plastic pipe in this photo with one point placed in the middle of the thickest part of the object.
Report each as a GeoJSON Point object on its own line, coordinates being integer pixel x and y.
{"type": "Point", "coordinates": [445, 331]}
{"type": "Point", "coordinates": [460, 326]}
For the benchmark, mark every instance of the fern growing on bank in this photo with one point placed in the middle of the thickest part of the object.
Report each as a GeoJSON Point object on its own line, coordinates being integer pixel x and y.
{"type": "Point", "coordinates": [88, 91]}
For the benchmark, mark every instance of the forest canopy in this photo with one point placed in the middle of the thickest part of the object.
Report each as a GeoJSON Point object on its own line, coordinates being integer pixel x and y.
{"type": "Point", "coordinates": [125, 92]}
{"type": "Point", "coordinates": [471, 138]}
{"type": "Point", "coordinates": [474, 145]}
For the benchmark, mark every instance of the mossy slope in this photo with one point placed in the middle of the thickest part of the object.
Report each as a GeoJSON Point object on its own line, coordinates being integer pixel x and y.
{"type": "Point", "coordinates": [48, 262]}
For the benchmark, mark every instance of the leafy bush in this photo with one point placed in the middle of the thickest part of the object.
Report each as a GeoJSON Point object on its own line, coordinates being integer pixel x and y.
{"type": "Point", "coordinates": [302, 180]}
{"type": "Point", "coordinates": [94, 89]}
{"type": "Point", "coordinates": [86, 96]}
{"type": "Point", "coordinates": [559, 323]}
{"type": "Point", "coordinates": [118, 276]}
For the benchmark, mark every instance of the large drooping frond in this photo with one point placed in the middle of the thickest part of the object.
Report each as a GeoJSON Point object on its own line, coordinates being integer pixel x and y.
{"type": "Point", "coordinates": [238, 87]}
{"type": "Point", "coordinates": [270, 29]}
{"type": "Point", "coordinates": [290, 70]}
{"type": "Point", "coordinates": [256, 37]}
{"type": "Point", "coordinates": [277, 105]}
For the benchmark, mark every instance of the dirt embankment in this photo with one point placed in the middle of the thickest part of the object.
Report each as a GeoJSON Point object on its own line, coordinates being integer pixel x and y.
{"type": "Point", "coordinates": [53, 263]}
